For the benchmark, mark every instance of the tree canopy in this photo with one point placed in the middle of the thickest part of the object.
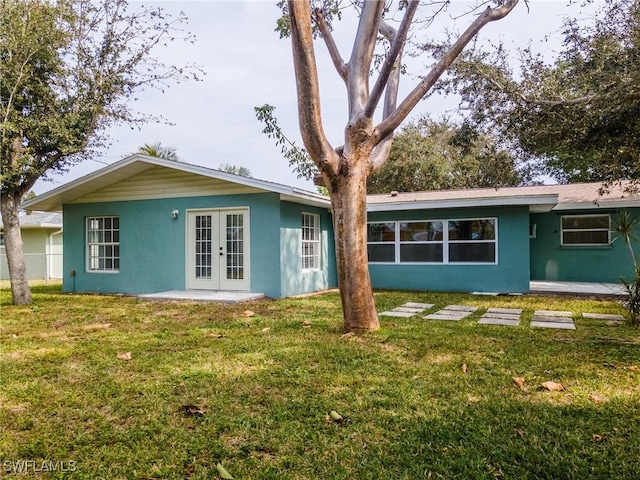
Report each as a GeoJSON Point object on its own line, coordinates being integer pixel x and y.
{"type": "Point", "coordinates": [157, 150]}
{"type": "Point", "coordinates": [69, 69]}
{"type": "Point", "coordinates": [235, 169]}
{"type": "Point", "coordinates": [436, 155]}
{"type": "Point", "coordinates": [581, 113]}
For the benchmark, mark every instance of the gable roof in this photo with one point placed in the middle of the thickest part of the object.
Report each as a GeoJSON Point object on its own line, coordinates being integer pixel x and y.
{"type": "Point", "coordinates": [138, 164]}
{"type": "Point", "coordinates": [39, 220]}
{"type": "Point", "coordinates": [539, 198]}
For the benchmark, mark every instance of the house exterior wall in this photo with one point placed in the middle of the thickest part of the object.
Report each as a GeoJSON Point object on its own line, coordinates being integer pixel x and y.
{"type": "Point", "coordinates": [294, 280]}
{"type": "Point", "coordinates": [551, 261]}
{"type": "Point", "coordinates": [35, 243]}
{"type": "Point", "coordinates": [152, 244]}
{"type": "Point", "coordinates": [510, 274]}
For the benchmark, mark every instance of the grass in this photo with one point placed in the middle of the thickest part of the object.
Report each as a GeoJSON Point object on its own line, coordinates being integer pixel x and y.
{"type": "Point", "coordinates": [267, 384]}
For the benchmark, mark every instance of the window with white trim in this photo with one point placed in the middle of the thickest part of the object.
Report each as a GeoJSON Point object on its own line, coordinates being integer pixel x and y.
{"type": "Point", "coordinates": [586, 230]}
{"type": "Point", "coordinates": [433, 241]}
{"type": "Point", "coordinates": [103, 244]}
{"type": "Point", "coordinates": [310, 241]}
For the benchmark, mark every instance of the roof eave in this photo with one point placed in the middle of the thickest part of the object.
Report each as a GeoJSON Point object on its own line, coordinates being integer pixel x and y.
{"type": "Point", "coordinates": [545, 200]}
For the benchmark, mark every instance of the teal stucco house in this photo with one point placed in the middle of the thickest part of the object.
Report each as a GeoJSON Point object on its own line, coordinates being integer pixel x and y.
{"type": "Point", "coordinates": [145, 225]}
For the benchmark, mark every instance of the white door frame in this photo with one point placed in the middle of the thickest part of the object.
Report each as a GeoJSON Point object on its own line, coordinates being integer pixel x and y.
{"type": "Point", "coordinates": [224, 263]}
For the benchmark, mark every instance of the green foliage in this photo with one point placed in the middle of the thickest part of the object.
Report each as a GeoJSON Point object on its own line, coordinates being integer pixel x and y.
{"type": "Point", "coordinates": [68, 69]}
{"type": "Point", "coordinates": [235, 169]}
{"type": "Point", "coordinates": [157, 150]}
{"type": "Point", "coordinates": [266, 384]}
{"type": "Point", "coordinates": [580, 114]}
{"type": "Point", "coordinates": [632, 300]}
{"type": "Point", "coordinates": [299, 160]}
{"type": "Point", "coordinates": [430, 155]}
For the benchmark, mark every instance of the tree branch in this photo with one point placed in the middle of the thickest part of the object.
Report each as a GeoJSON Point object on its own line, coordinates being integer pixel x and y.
{"type": "Point", "coordinates": [397, 40]}
{"type": "Point", "coordinates": [361, 55]}
{"type": "Point", "coordinates": [325, 32]}
{"type": "Point", "coordinates": [489, 15]}
{"type": "Point", "coordinates": [309, 114]}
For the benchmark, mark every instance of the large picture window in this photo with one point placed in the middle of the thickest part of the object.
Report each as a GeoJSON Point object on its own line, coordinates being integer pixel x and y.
{"type": "Point", "coordinates": [586, 230]}
{"type": "Point", "coordinates": [103, 244]}
{"type": "Point", "coordinates": [433, 241]}
{"type": "Point", "coordinates": [310, 241]}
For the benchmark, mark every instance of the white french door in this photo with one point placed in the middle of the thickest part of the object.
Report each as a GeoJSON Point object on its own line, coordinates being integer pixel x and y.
{"type": "Point", "coordinates": [218, 250]}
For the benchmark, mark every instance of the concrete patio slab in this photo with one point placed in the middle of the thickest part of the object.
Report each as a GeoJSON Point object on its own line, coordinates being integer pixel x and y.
{"type": "Point", "coordinates": [408, 309]}
{"type": "Point", "coordinates": [204, 296]}
{"type": "Point", "coordinates": [451, 316]}
{"type": "Point", "coordinates": [603, 316]}
{"type": "Point", "coordinates": [576, 288]}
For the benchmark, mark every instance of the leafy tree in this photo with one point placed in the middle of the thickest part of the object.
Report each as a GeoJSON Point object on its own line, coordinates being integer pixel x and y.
{"type": "Point", "coordinates": [157, 150]}
{"type": "Point", "coordinates": [235, 169]}
{"type": "Point", "coordinates": [581, 113]}
{"type": "Point", "coordinates": [429, 155]}
{"type": "Point", "coordinates": [69, 69]}
{"type": "Point", "coordinates": [367, 144]}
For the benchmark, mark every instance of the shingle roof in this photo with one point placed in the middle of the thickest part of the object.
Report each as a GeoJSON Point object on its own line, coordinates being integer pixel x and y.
{"type": "Point", "coordinates": [577, 195]}
{"type": "Point", "coordinates": [40, 219]}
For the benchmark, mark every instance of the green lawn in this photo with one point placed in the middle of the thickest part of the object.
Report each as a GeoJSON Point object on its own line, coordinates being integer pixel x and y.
{"type": "Point", "coordinates": [267, 383]}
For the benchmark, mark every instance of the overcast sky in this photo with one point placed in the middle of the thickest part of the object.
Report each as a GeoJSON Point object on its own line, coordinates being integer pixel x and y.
{"type": "Point", "coordinates": [247, 65]}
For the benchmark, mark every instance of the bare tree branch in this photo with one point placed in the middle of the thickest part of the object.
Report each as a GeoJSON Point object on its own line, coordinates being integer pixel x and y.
{"type": "Point", "coordinates": [393, 120]}
{"type": "Point", "coordinates": [309, 115]}
{"type": "Point", "coordinates": [361, 55]}
{"type": "Point", "coordinates": [338, 62]}
{"type": "Point", "coordinates": [397, 41]}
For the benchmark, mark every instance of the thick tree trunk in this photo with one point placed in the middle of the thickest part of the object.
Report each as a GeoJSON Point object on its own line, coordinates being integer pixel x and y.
{"type": "Point", "coordinates": [9, 208]}
{"type": "Point", "coordinates": [349, 207]}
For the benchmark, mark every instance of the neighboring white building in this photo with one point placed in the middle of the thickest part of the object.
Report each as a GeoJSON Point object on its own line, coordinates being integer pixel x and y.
{"type": "Point", "coordinates": [42, 239]}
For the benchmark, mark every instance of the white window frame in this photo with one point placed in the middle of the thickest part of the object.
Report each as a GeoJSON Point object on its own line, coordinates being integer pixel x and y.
{"type": "Point", "coordinates": [445, 241]}
{"type": "Point", "coordinates": [607, 229]}
{"type": "Point", "coordinates": [94, 248]}
{"type": "Point", "coordinates": [310, 242]}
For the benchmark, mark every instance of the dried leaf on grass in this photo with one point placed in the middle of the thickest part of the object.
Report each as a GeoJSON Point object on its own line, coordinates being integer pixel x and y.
{"type": "Point", "coordinates": [553, 386]}
{"type": "Point", "coordinates": [465, 369]}
{"type": "Point", "coordinates": [595, 398]}
{"type": "Point", "coordinates": [193, 410]}
{"type": "Point", "coordinates": [125, 356]}
{"type": "Point", "coordinates": [519, 381]}
{"type": "Point", "coordinates": [215, 335]}
{"type": "Point", "coordinates": [223, 472]}
{"type": "Point", "coordinates": [248, 313]}
{"type": "Point", "coordinates": [266, 329]}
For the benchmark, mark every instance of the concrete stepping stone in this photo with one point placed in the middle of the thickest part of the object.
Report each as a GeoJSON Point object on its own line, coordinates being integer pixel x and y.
{"type": "Point", "coordinates": [407, 310]}
{"type": "Point", "coordinates": [514, 311]}
{"type": "Point", "coordinates": [499, 321]}
{"type": "Point", "coordinates": [539, 318]}
{"type": "Point", "coordinates": [552, 313]}
{"type": "Point", "coordinates": [509, 317]}
{"type": "Point", "coordinates": [603, 316]}
{"type": "Point", "coordinates": [424, 306]}
{"type": "Point", "coordinates": [452, 312]}
{"type": "Point", "coordinates": [558, 325]}
{"type": "Point", "coordinates": [460, 308]}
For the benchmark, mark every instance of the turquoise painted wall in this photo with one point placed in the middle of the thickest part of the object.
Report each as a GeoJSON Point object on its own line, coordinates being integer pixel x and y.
{"type": "Point", "coordinates": [511, 274]}
{"type": "Point", "coordinates": [152, 244]}
{"type": "Point", "coordinates": [552, 261]}
{"type": "Point", "coordinates": [293, 280]}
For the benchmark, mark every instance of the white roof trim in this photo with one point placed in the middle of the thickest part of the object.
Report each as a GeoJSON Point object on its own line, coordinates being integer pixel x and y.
{"type": "Point", "coordinates": [595, 205]}
{"type": "Point", "coordinates": [56, 196]}
{"type": "Point", "coordinates": [515, 200]}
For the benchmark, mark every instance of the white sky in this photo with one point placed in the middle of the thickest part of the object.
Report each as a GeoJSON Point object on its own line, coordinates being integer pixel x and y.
{"type": "Point", "coordinates": [248, 65]}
